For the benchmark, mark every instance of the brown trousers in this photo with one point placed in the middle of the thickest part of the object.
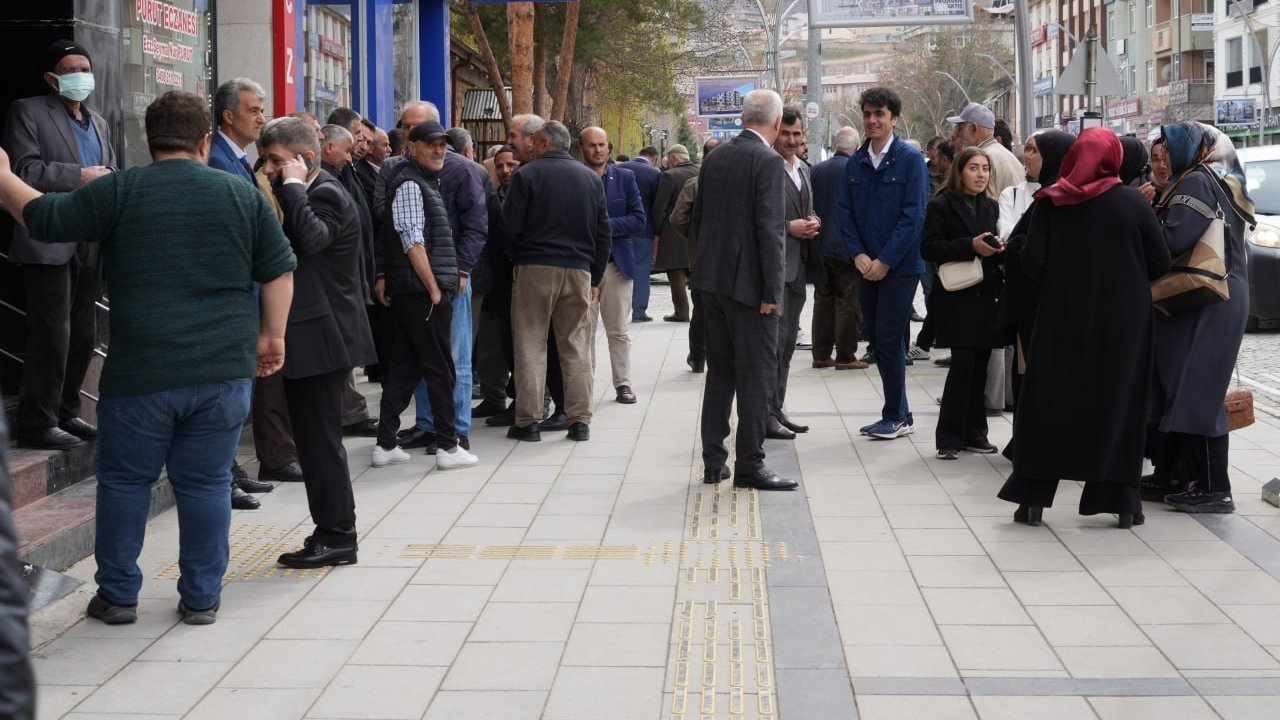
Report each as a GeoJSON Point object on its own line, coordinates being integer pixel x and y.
{"type": "Point", "coordinates": [544, 297]}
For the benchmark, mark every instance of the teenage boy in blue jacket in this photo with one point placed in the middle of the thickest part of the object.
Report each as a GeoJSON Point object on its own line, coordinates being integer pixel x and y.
{"type": "Point", "coordinates": [882, 214]}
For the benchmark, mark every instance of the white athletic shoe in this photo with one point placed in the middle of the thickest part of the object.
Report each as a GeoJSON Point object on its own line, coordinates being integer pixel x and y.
{"type": "Point", "coordinates": [918, 353]}
{"type": "Point", "coordinates": [458, 457]}
{"type": "Point", "coordinates": [394, 456]}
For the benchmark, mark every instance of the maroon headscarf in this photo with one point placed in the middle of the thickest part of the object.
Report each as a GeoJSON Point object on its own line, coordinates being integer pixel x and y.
{"type": "Point", "coordinates": [1092, 167]}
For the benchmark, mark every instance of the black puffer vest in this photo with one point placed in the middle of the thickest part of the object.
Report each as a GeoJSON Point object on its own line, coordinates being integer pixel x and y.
{"type": "Point", "coordinates": [436, 235]}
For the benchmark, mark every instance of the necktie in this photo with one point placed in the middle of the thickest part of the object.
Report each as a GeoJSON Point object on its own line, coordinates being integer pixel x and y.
{"type": "Point", "coordinates": [244, 160]}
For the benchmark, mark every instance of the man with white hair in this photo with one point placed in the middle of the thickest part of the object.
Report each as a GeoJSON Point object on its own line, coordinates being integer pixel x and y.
{"type": "Point", "coordinates": [739, 216]}
{"type": "Point", "coordinates": [836, 317]}
{"type": "Point", "coordinates": [673, 249]}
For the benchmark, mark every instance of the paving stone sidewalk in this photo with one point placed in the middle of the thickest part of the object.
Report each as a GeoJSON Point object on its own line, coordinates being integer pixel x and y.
{"type": "Point", "coordinates": [601, 581]}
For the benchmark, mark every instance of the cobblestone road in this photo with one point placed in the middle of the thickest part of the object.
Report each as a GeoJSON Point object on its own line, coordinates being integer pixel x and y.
{"type": "Point", "coordinates": [1260, 368]}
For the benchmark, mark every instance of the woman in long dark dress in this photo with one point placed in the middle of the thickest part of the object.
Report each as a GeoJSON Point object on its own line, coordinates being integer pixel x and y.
{"type": "Point", "coordinates": [1095, 246]}
{"type": "Point", "coordinates": [959, 225]}
{"type": "Point", "coordinates": [1196, 351]}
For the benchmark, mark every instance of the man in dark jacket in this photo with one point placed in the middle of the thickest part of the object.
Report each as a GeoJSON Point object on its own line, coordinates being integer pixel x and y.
{"type": "Point", "coordinates": [645, 167]}
{"type": "Point", "coordinates": [673, 249]}
{"type": "Point", "coordinates": [836, 319]}
{"type": "Point", "coordinates": [558, 227]}
{"type": "Point", "coordinates": [328, 332]}
{"type": "Point", "coordinates": [17, 682]}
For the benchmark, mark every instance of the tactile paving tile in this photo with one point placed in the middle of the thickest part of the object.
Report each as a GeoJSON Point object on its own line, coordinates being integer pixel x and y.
{"type": "Point", "coordinates": [254, 549]}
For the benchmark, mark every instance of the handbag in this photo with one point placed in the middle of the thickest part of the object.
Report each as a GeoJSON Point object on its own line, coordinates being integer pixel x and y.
{"type": "Point", "coordinates": [1239, 407]}
{"type": "Point", "coordinates": [1198, 279]}
{"type": "Point", "coordinates": [960, 274]}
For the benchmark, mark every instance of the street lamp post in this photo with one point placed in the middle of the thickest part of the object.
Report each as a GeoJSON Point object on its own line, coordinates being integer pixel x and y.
{"type": "Point", "coordinates": [953, 79]}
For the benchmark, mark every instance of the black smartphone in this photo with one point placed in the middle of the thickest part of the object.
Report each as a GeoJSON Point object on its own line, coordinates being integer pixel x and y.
{"type": "Point", "coordinates": [993, 240]}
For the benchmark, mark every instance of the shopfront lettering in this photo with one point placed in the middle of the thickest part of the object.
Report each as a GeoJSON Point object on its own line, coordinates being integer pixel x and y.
{"type": "Point", "coordinates": [165, 50]}
{"type": "Point", "coordinates": [155, 13]}
{"type": "Point", "coordinates": [165, 76]}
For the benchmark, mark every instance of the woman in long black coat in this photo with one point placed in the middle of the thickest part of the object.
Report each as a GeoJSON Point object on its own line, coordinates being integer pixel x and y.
{"type": "Point", "coordinates": [1196, 351]}
{"type": "Point", "coordinates": [959, 225]}
{"type": "Point", "coordinates": [1095, 246]}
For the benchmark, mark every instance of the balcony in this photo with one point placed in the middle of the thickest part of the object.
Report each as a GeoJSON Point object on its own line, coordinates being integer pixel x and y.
{"type": "Point", "coordinates": [1162, 38]}
{"type": "Point", "coordinates": [1195, 33]}
{"type": "Point", "coordinates": [1190, 92]}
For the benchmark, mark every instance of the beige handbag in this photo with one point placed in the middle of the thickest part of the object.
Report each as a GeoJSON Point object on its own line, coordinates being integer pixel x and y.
{"type": "Point", "coordinates": [1198, 279]}
{"type": "Point", "coordinates": [961, 274]}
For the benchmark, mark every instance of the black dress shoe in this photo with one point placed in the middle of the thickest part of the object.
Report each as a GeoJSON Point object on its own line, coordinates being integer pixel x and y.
{"type": "Point", "coordinates": [250, 485]}
{"type": "Point", "coordinates": [47, 439]}
{"type": "Point", "coordinates": [698, 366]}
{"type": "Point", "coordinates": [316, 554]}
{"type": "Point", "coordinates": [776, 431]}
{"type": "Point", "coordinates": [625, 396]}
{"type": "Point", "coordinates": [714, 476]}
{"type": "Point", "coordinates": [1128, 520]}
{"type": "Point", "coordinates": [764, 479]}
{"type": "Point", "coordinates": [528, 433]}
{"type": "Point", "coordinates": [488, 408]}
{"type": "Point", "coordinates": [579, 431]}
{"type": "Point", "coordinates": [641, 318]}
{"type": "Point", "coordinates": [557, 421]}
{"type": "Point", "coordinates": [79, 428]}
{"type": "Point", "coordinates": [674, 318]}
{"type": "Point", "coordinates": [506, 418]}
{"type": "Point", "coordinates": [241, 500]}
{"type": "Point", "coordinates": [367, 427]}
{"type": "Point", "coordinates": [793, 427]}
{"type": "Point", "coordinates": [288, 473]}
{"type": "Point", "coordinates": [1029, 514]}
{"type": "Point", "coordinates": [414, 437]}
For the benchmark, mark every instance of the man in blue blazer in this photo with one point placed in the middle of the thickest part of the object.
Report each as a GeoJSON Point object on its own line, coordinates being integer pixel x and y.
{"type": "Point", "coordinates": [645, 167]}
{"type": "Point", "coordinates": [626, 219]}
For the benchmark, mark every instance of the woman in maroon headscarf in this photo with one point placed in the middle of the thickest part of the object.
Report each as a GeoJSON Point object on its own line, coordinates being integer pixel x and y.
{"type": "Point", "coordinates": [1094, 245]}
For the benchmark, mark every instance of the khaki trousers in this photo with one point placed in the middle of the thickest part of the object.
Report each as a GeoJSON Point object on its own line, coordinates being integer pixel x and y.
{"type": "Point", "coordinates": [614, 308]}
{"type": "Point", "coordinates": [546, 296]}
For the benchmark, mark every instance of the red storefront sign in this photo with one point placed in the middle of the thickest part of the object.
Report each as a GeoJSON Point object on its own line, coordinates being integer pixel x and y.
{"type": "Point", "coordinates": [284, 25]}
{"type": "Point", "coordinates": [1039, 35]}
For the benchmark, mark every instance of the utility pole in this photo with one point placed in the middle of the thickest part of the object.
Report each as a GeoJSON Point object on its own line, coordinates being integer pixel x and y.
{"type": "Point", "coordinates": [814, 81]}
{"type": "Point", "coordinates": [1022, 35]}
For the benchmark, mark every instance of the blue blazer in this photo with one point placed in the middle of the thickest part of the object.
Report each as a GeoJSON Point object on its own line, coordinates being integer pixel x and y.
{"type": "Point", "coordinates": [647, 180]}
{"type": "Point", "coordinates": [626, 216]}
{"type": "Point", "coordinates": [225, 158]}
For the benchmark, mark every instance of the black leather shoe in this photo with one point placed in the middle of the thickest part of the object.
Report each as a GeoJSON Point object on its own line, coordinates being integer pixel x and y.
{"type": "Point", "coordinates": [250, 485]}
{"type": "Point", "coordinates": [414, 438]}
{"type": "Point", "coordinates": [79, 428]}
{"type": "Point", "coordinates": [714, 476]}
{"type": "Point", "coordinates": [367, 427]}
{"type": "Point", "coordinates": [641, 318]}
{"type": "Point", "coordinates": [557, 421]}
{"type": "Point", "coordinates": [625, 396]}
{"type": "Point", "coordinates": [1129, 520]}
{"type": "Point", "coordinates": [698, 366]}
{"type": "Point", "coordinates": [487, 408]}
{"type": "Point", "coordinates": [793, 427]}
{"type": "Point", "coordinates": [241, 500]}
{"type": "Point", "coordinates": [764, 479]}
{"type": "Point", "coordinates": [579, 431]}
{"type": "Point", "coordinates": [47, 439]}
{"type": "Point", "coordinates": [288, 473]}
{"type": "Point", "coordinates": [316, 554]}
{"type": "Point", "coordinates": [506, 418]}
{"type": "Point", "coordinates": [776, 431]}
{"type": "Point", "coordinates": [528, 433]}
{"type": "Point", "coordinates": [674, 318]}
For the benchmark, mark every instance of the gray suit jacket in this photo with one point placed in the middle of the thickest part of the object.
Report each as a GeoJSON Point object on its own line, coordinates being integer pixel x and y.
{"type": "Point", "coordinates": [42, 147]}
{"type": "Point", "coordinates": [739, 217]}
{"type": "Point", "coordinates": [804, 263]}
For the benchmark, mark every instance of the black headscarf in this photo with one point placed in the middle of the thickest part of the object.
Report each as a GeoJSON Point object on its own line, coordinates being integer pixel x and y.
{"type": "Point", "coordinates": [1135, 159]}
{"type": "Point", "coordinates": [1053, 146]}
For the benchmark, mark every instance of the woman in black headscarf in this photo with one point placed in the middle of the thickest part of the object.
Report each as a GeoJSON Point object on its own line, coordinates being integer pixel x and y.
{"type": "Point", "coordinates": [1133, 167]}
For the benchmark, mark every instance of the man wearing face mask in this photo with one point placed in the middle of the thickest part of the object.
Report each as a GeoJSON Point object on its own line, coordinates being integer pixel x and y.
{"type": "Point", "coordinates": [57, 145]}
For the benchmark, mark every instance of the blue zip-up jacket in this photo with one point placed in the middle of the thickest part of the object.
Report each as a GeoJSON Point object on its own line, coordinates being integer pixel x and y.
{"type": "Point", "coordinates": [882, 210]}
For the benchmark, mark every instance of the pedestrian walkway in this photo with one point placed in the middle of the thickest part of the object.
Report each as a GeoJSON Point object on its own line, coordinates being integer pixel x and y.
{"type": "Point", "coordinates": [602, 581]}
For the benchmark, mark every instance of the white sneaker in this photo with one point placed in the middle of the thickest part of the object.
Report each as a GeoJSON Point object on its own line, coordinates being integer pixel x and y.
{"type": "Point", "coordinates": [918, 353]}
{"type": "Point", "coordinates": [458, 457]}
{"type": "Point", "coordinates": [394, 456]}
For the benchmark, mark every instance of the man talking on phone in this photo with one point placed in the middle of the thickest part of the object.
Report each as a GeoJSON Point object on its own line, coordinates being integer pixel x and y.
{"type": "Point", "coordinates": [328, 332]}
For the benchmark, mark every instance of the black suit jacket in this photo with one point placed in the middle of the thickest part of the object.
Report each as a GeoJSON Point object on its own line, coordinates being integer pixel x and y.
{"type": "Point", "coordinates": [802, 253]}
{"type": "Point", "coordinates": [739, 217]}
{"type": "Point", "coordinates": [328, 327]}
{"type": "Point", "coordinates": [350, 181]}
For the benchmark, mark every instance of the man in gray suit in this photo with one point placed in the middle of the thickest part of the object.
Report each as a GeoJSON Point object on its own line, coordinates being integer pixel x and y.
{"type": "Point", "coordinates": [57, 144]}
{"type": "Point", "coordinates": [739, 216]}
{"type": "Point", "coordinates": [803, 264]}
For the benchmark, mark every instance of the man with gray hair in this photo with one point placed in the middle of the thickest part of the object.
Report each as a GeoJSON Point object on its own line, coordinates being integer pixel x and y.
{"type": "Point", "coordinates": [460, 142]}
{"type": "Point", "coordinates": [673, 248]}
{"type": "Point", "coordinates": [520, 137]}
{"type": "Point", "coordinates": [739, 217]}
{"type": "Point", "coordinates": [557, 223]}
{"type": "Point", "coordinates": [837, 320]}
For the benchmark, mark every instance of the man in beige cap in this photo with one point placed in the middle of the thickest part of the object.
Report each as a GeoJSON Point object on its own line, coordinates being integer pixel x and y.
{"type": "Point", "coordinates": [673, 249]}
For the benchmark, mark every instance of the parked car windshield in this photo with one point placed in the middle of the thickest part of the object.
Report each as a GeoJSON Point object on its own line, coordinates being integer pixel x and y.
{"type": "Point", "coordinates": [1264, 185]}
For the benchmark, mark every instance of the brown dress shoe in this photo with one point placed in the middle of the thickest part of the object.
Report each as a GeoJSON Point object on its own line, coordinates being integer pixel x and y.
{"type": "Point", "coordinates": [824, 363]}
{"type": "Point", "coordinates": [852, 365]}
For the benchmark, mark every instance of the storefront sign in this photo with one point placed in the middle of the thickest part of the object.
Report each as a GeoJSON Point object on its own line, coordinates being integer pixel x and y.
{"type": "Point", "coordinates": [1236, 114]}
{"type": "Point", "coordinates": [1039, 35]}
{"type": "Point", "coordinates": [1125, 108]}
{"type": "Point", "coordinates": [842, 13]}
{"type": "Point", "coordinates": [157, 14]}
{"type": "Point", "coordinates": [332, 48]}
{"type": "Point", "coordinates": [167, 50]}
{"type": "Point", "coordinates": [722, 95]}
{"type": "Point", "coordinates": [1044, 86]}
{"type": "Point", "coordinates": [1202, 22]}
{"type": "Point", "coordinates": [284, 22]}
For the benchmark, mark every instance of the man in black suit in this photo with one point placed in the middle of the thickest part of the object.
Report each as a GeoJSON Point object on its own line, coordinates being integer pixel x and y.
{"type": "Point", "coordinates": [327, 335]}
{"type": "Point", "coordinates": [803, 264]}
{"type": "Point", "coordinates": [57, 144]}
{"type": "Point", "coordinates": [739, 216]}
{"type": "Point", "coordinates": [673, 248]}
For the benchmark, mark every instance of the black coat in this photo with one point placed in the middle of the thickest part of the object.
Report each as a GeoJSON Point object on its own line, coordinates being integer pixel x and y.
{"type": "Point", "coordinates": [17, 682]}
{"type": "Point", "coordinates": [963, 318]}
{"type": "Point", "coordinates": [1082, 409]}
{"type": "Point", "coordinates": [328, 327]}
{"type": "Point", "coordinates": [673, 248]}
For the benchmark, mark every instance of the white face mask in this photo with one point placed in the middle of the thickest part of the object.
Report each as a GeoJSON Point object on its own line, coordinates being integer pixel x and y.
{"type": "Point", "coordinates": [75, 86]}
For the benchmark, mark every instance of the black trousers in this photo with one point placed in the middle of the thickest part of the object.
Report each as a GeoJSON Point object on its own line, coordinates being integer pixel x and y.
{"type": "Point", "coordinates": [837, 317]}
{"type": "Point", "coordinates": [272, 428]}
{"type": "Point", "coordinates": [315, 407]}
{"type": "Point", "coordinates": [792, 304]}
{"type": "Point", "coordinates": [1182, 459]}
{"type": "Point", "coordinates": [742, 361]}
{"type": "Point", "coordinates": [492, 367]}
{"type": "Point", "coordinates": [382, 324]}
{"type": "Point", "coordinates": [1097, 497]}
{"type": "Point", "coordinates": [962, 419]}
{"type": "Point", "coordinates": [421, 349]}
{"type": "Point", "coordinates": [697, 327]}
{"type": "Point", "coordinates": [61, 319]}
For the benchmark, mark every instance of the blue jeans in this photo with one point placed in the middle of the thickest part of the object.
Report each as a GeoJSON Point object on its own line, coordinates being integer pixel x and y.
{"type": "Point", "coordinates": [194, 431]}
{"type": "Point", "coordinates": [460, 340]}
{"type": "Point", "coordinates": [644, 265]}
{"type": "Point", "coordinates": [886, 313]}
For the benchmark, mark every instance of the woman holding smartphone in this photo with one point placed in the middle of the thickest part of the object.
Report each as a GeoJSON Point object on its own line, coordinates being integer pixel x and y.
{"type": "Point", "coordinates": [960, 225]}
